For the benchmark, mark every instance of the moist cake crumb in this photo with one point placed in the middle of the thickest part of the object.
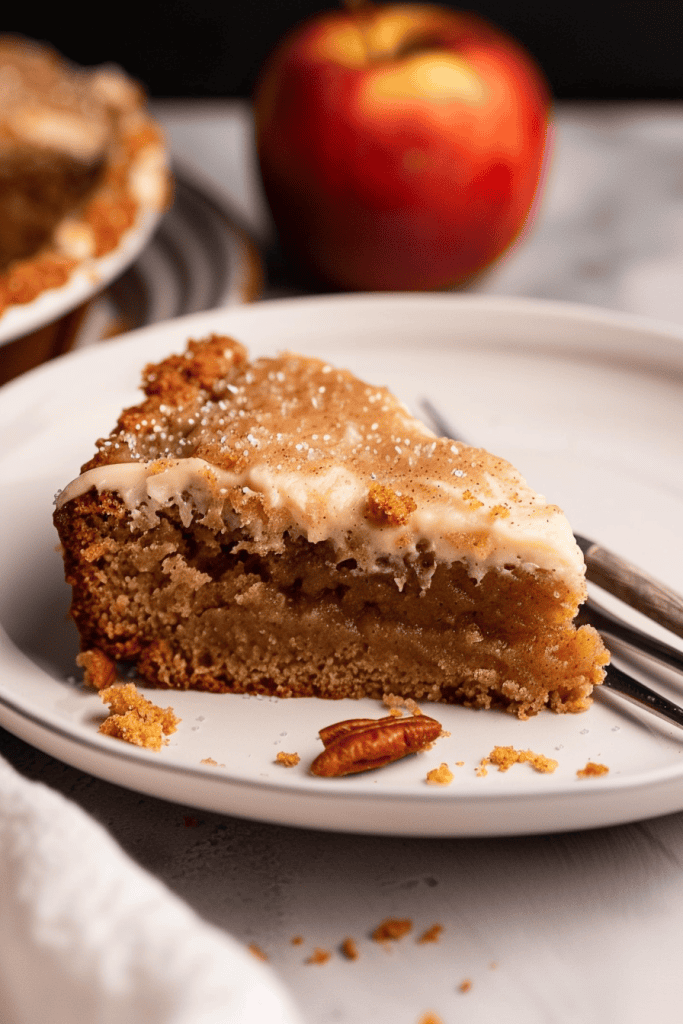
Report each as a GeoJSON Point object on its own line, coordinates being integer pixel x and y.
{"type": "Point", "coordinates": [257, 952]}
{"type": "Point", "coordinates": [350, 949]}
{"type": "Point", "coordinates": [387, 507]}
{"type": "Point", "coordinates": [395, 703]}
{"type": "Point", "coordinates": [392, 929]}
{"type": "Point", "coordinates": [441, 776]}
{"type": "Point", "coordinates": [288, 760]}
{"type": "Point", "coordinates": [99, 671]}
{"type": "Point", "coordinates": [432, 934]}
{"type": "Point", "coordinates": [465, 985]}
{"type": "Point", "coordinates": [319, 956]}
{"type": "Point", "coordinates": [297, 940]}
{"type": "Point", "coordinates": [592, 769]}
{"type": "Point", "coordinates": [505, 757]}
{"type": "Point", "coordinates": [135, 719]}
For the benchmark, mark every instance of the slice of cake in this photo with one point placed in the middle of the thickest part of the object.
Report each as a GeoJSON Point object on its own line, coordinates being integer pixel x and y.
{"type": "Point", "coordinates": [78, 156]}
{"type": "Point", "coordinates": [281, 527]}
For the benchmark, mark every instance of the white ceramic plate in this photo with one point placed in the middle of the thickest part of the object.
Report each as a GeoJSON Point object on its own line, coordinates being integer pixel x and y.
{"type": "Point", "coordinates": [199, 258]}
{"type": "Point", "coordinates": [87, 279]}
{"type": "Point", "coordinates": [586, 403]}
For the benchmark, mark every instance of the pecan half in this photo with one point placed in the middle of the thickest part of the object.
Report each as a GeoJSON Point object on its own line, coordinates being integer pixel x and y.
{"type": "Point", "coordinates": [359, 744]}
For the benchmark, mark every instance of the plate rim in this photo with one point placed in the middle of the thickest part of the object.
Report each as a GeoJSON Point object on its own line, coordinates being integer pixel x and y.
{"type": "Point", "coordinates": [86, 280]}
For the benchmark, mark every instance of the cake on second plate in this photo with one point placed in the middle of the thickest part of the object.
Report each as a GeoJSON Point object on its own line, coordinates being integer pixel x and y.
{"type": "Point", "coordinates": [79, 157]}
{"type": "Point", "coordinates": [281, 527]}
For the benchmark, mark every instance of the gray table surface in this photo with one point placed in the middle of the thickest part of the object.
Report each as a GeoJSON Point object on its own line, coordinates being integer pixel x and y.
{"type": "Point", "coordinates": [584, 927]}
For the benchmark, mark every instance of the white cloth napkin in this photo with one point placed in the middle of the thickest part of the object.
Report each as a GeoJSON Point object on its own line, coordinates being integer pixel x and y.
{"type": "Point", "coordinates": [88, 936]}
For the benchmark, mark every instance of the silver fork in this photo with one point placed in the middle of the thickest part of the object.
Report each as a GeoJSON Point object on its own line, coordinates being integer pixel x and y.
{"type": "Point", "coordinates": [636, 588]}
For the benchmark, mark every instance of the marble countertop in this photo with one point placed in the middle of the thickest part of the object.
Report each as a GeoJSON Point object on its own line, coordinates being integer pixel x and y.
{"type": "Point", "coordinates": [577, 927]}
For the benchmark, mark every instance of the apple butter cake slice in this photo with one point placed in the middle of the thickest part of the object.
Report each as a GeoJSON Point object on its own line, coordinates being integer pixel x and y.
{"type": "Point", "coordinates": [281, 527]}
{"type": "Point", "coordinates": [79, 158]}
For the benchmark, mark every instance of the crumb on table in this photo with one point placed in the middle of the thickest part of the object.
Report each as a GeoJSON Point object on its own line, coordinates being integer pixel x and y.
{"type": "Point", "coordinates": [349, 949]}
{"type": "Point", "coordinates": [319, 956]}
{"type": "Point", "coordinates": [432, 934]}
{"type": "Point", "coordinates": [135, 719]}
{"type": "Point", "coordinates": [257, 952]}
{"type": "Point", "coordinates": [391, 929]}
{"type": "Point", "coordinates": [465, 985]}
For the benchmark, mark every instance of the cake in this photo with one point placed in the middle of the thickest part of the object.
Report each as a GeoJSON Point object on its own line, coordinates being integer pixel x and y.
{"type": "Point", "coordinates": [279, 527]}
{"type": "Point", "coordinates": [79, 156]}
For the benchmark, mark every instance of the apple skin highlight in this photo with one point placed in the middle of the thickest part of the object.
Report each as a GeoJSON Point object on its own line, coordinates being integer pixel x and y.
{"type": "Point", "coordinates": [400, 148]}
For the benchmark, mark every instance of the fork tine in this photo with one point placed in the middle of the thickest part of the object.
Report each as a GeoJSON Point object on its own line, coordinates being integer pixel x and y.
{"type": "Point", "coordinates": [610, 626]}
{"type": "Point", "coordinates": [641, 695]}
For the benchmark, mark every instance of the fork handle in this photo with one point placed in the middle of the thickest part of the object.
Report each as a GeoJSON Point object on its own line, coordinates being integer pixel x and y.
{"type": "Point", "coordinates": [633, 586]}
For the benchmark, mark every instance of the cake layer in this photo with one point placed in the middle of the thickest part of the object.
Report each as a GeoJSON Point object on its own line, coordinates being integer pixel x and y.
{"type": "Point", "coordinates": [196, 607]}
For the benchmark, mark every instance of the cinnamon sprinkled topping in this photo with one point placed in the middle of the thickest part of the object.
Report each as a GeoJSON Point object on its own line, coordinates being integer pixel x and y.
{"type": "Point", "coordinates": [303, 447]}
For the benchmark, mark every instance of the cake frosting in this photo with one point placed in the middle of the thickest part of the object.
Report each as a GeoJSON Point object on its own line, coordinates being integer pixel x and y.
{"type": "Point", "coordinates": [293, 445]}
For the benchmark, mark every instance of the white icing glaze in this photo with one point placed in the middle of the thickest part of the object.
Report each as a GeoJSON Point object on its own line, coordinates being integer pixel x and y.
{"type": "Point", "coordinates": [533, 535]}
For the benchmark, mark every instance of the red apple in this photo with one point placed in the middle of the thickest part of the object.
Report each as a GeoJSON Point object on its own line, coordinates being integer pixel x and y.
{"type": "Point", "coordinates": [400, 146]}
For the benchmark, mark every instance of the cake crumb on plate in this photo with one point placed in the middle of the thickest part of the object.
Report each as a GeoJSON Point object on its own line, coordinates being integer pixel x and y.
{"type": "Point", "coordinates": [505, 757]}
{"type": "Point", "coordinates": [135, 719]}
{"type": "Point", "coordinates": [441, 776]}
{"type": "Point", "coordinates": [288, 760]}
{"type": "Point", "coordinates": [592, 770]}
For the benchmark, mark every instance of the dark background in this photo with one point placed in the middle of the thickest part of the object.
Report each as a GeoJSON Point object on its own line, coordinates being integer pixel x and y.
{"type": "Point", "coordinates": [215, 47]}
